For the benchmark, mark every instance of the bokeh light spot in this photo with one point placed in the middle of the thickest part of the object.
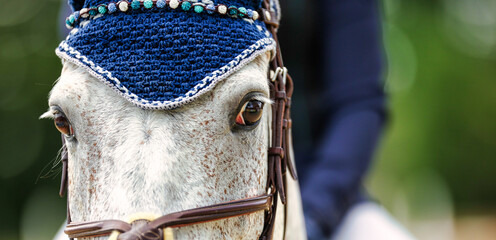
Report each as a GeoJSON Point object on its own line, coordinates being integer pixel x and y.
{"type": "Point", "coordinates": [18, 11]}
{"type": "Point", "coordinates": [402, 63]}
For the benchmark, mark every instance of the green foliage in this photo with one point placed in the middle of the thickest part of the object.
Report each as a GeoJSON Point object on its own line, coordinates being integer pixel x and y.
{"type": "Point", "coordinates": [443, 107]}
{"type": "Point", "coordinates": [28, 68]}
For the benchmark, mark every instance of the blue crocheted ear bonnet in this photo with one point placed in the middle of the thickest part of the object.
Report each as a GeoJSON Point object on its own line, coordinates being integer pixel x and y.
{"type": "Point", "coordinates": [160, 54]}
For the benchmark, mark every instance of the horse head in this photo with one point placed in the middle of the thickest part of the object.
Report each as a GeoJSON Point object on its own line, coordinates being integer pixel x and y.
{"type": "Point", "coordinates": [154, 127]}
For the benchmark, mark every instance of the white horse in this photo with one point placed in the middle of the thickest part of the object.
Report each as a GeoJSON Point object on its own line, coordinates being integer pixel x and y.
{"type": "Point", "coordinates": [124, 160]}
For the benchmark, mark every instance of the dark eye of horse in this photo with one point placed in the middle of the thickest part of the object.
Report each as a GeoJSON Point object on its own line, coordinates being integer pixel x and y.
{"type": "Point", "coordinates": [62, 124]}
{"type": "Point", "coordinates": [250, 113]}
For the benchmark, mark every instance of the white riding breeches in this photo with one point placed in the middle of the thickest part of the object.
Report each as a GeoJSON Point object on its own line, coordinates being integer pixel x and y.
{"type": "Point", "coordinates": [370, 221]}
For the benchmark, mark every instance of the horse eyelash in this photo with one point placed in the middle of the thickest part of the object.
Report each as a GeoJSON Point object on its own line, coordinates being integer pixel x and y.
{"type": "Point", "coordinates": [47, 115]}
{"type": "Point", "coordinates": [263, 99]}
{"type": "Point", "coordinates": [52, 168]}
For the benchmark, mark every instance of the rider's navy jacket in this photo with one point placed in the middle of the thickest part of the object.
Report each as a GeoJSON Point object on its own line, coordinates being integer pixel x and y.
{"type": "Point", "coordinates": [347, 105]}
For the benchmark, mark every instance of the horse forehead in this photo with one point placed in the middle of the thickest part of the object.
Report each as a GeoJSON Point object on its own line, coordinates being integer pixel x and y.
{"type": "Point", "coordinates": [100, 114]}
{"type": "Point", "coordinates": [76, 87]}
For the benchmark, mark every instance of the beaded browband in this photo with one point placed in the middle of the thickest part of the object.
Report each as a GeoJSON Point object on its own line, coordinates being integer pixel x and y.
{"type": "Point", "coordinates": [185, 5]}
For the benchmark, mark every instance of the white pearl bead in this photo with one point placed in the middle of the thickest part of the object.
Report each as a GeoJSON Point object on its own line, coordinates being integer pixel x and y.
{"type": "Point", "coordinates": [255, 15]}
{"type": "Point", "coordinates": [84, 13]}
{"type": "Point", "coordinates": [222, 9]}
{"type": "Point", "coordinates": [267, 15]}
{"type": "Point", "coordinates": [123, 6]}
{"type": "Point", "coordinates": [174, 4]}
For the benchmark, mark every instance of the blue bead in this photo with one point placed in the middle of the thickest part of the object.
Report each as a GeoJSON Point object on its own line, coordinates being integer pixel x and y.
{"type": "Point", "coordinates": [112, 8]}
{"type": "Point", "coordinates": [210, 8]}
{"type": "Point", "coordinates": [135, 4]}
{"type": "Point", "coordinates": [186, 6]}
{"type": "Point", "coordinates": [249, 12]}
{"type": "Point", "coordinates": [76, 16]}
{"type": "Point", "coordinates": [160, 3]}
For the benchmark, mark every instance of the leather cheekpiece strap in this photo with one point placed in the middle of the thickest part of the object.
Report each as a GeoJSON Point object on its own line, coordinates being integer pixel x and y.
{"type": "Point", "coordinates": [268, 17]}
{"type": "Point", "coordinates": [280, 95]}
{"type": "Point", "coordinates": [277, 151]}
{"type": "Point", "coordinates": [64, 158]}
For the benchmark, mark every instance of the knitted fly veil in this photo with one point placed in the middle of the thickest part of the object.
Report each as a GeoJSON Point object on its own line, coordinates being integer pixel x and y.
{"type": "Point", "coordinates": [160, 54]}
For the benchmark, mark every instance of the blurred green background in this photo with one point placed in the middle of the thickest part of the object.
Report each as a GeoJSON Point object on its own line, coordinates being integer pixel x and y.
{"type": "Point", "coordinates": [435, 170]}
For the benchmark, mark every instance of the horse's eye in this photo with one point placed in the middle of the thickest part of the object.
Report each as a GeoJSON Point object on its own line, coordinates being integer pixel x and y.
{"type": "Point", "coordinates": [62, 124]}
{"type": "Point", "coordinates": [250, 113]}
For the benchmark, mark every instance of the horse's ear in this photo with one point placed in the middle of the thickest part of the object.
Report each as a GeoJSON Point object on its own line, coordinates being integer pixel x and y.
{"type": "Point", "coordinates": [76, 5]}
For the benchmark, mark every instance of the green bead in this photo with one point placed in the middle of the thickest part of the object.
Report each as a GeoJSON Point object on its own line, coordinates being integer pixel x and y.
{"type": "Point", "coordinates": [92, 11]}
{"type": "Point", "coordinates": [135, 4]}
{"type": "Point", "coordinates": [186, 6]}
{"type": "Point", "coordinates": [198, 9]}
{"type": "Point", "coordinates": [148, 3]}
{"type": "Point", "coordinates": [232, 10]}
{"type": "Point", "coordinates": [102, 9]}
{"type": "Point", "coordinates": [242, 11]}
{"type": "Point", "coordinates": [72, 19]}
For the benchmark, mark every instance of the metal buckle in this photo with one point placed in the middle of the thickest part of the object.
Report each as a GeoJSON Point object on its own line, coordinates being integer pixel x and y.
{"type": "Point", "coordinates": [168, 232]}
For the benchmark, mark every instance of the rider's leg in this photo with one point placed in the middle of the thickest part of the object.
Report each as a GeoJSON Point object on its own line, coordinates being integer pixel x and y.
{"type": "Point", "coordinates": [60, 234]}
{"type": "Point", "coordinates": [368, 220]}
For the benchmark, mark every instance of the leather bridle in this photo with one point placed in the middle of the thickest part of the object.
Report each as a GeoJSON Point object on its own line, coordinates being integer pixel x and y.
{"type": "Point", "coordinates": [279, 162]}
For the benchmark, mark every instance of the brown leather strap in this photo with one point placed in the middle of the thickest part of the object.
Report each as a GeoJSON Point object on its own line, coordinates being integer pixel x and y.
{"type": "Point", "coordinates": [64, 178]}
{"type": "Point", "coordinates": [177, 219]}
{"type": "Point", "coordinates": [64, 157]}
{"type": "Point", "coordinates": [214, 212]}
{"type": "Point", "coordinates": [96, 228]}
{"type": "Point", "coordinates": [279, 152]}
{"type": "Point", "coordinates": [268, 17]}
{"type": "Point", "coordinates": [276, 151]}
{"type": "Point", "coordinates": [280, 95]}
